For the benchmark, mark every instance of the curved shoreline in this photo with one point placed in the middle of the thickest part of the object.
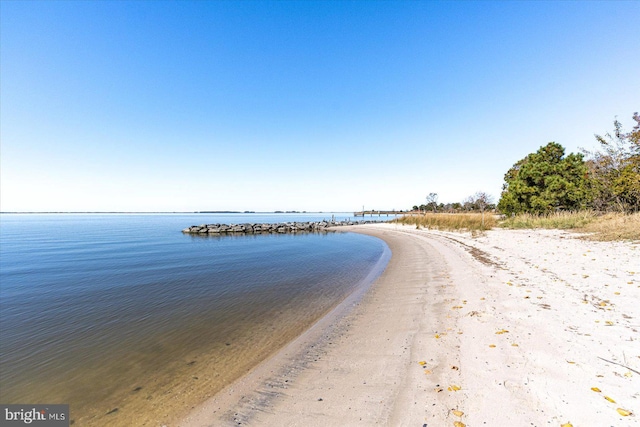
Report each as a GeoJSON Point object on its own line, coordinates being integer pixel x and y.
{"type": "Point", "coordinates": [518, 320]}
{"type": "Point", "coordinates": [238, 403]}
{"type": "Point", "coordinates": [247, 400]}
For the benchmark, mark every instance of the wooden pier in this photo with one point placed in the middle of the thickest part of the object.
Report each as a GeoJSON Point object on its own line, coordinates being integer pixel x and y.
{"type": "Point", "coordinates": [380, 213]}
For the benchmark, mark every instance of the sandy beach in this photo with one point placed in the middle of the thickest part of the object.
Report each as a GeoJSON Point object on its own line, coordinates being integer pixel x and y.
{"type": "Point", "coordinates": [509, 328]}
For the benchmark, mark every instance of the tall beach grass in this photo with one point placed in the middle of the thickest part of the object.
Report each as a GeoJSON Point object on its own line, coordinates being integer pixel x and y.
{"type": "Point", "coordinates": [451, 222]}
{"type": "Point", "coordinates": [610, 226]}
{"type": "Point", "coordinates": [557, 220]}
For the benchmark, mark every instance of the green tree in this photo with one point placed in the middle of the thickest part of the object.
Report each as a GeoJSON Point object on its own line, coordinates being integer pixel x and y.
{"type": "Point", "coordinates": [545, 181]}
{"type": "Point", "coordinates": [615, 169]}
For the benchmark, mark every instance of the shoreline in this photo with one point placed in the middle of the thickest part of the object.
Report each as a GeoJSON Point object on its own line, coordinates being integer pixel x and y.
{"type": "Point", "coordinates": [527, 321]}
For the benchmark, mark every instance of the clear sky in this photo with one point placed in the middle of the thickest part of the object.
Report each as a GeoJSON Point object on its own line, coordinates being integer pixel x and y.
{"type": "Point", "coordinates": [298, 105]}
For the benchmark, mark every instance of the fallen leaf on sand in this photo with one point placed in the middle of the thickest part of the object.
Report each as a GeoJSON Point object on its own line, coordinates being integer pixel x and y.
{"type": "Point", "coordinates": [596, 389]}
{"type": "Point", "coordinates": [609, 323]}
{"type": "Point", "coordinates": [514, 345]}
{"type": "Point", "coordinates": [459, 424]}
{"type": "Point", "coordinates": [422, 363]}
{"type": "Point", "coordinates": [623, 412]}
{"type": "Point", "coordinates": [457, 413]}
{"type": "Point", "coordinates": [567, 425]}
{"type": "Point", "coordinates": [571, 362]}
{"type": "Point", "coordinates": [437, 336]}
{"type": "Point", "coordinates": [428, 372]}
{"type": "Point", "coordinates": [502, 331]}
{"type": "Point", "coordinates": [492, 345]}
{"type": "Point", "coordinates": [610, 399]}
{"type": "Point", "coordinates": [453, 387]}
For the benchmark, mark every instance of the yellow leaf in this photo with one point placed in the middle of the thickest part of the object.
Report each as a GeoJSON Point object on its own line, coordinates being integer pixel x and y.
{"type": "Point", "coordinates": [457, 413]}
{"type": "Point", "coordinates": [602, 304]}
{"type": "Point", "coordinates": [596, 389]}
{"type": "Point", "coordinates": [422, 363]}
{"type": "Point", "coordinates": [459, 424]}
{"type": "Point", "coordinates": [609, 323]}
{"type": "Point", "coordinates": [628, 374]}
{"type": "Point", "coordinates": [492, 345]}
{"type": "Point", "coordinates": [567, 425]}
{"type": "Point", "coordinates": [437, 336]}
{"type": "Point", "coordinates": [514, 345]}
{"type": "Point", "coordinates": [502, 331]}
{"type": "Point", "coordinates": [623, 412]}
{"type": "Point", "coordinates": [610, 399]}
{"type": "Point", "coordinates": [454, 387]}
{"type": "Point", "coordinates": [573, 363]}
{"type": "Point", "coordinates": [428, 372]}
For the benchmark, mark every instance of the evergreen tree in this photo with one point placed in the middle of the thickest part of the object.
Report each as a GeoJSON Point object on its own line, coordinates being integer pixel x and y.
{"type": "Point", "coordinates": [545, 181]}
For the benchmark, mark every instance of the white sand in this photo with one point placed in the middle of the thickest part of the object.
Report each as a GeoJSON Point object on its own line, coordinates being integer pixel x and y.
{"type": "Point", "coordinates": [525, 323]}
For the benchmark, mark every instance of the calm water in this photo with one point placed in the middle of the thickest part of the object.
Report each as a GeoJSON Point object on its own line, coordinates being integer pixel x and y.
{"type": "Point", "coordinates": [131, 322]}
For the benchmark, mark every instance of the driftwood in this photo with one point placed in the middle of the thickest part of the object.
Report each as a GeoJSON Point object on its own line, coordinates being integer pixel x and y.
{"type": "Point", "coordinates": [619, 364]}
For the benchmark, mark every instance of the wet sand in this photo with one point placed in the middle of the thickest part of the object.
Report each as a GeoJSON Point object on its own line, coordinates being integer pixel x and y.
{"type": "Point", "coordinates": [509, 328]}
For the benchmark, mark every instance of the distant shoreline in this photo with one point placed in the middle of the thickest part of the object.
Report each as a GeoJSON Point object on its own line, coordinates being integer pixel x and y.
{"type": "Point", "coordinates": [176, 212]}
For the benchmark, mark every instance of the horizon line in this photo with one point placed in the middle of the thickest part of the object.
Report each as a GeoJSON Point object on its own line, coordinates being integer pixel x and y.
{"type": "Point", "coordinates": [168, 212]}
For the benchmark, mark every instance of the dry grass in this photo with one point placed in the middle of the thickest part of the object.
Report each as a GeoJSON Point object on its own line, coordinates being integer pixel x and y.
{"type": "Point", "coordinates": [451, 222]}
{"type": "Point", "coordinates": [612, 226]}
{"type": "Point", "coordinates": [557, 220]}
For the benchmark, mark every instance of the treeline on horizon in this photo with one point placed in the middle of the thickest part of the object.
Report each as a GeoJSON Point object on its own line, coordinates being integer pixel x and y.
{"type": "Point", "coordinates": [547, 181]}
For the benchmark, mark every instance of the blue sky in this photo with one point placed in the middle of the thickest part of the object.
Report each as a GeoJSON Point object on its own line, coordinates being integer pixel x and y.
{"type": "Point", "coordinates": [298, 105]}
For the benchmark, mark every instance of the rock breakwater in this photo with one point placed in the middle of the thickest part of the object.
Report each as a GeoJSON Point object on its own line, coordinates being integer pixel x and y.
{"type": "Point", "coordinates": [267, 228]}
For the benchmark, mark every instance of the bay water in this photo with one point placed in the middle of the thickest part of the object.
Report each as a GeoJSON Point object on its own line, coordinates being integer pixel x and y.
{"type": "Point", "coordinates": [132, 322]}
